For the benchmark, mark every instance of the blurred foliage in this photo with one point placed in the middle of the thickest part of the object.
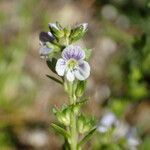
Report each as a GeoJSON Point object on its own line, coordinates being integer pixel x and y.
{"type": "Point", "coordinates": [129, 68]}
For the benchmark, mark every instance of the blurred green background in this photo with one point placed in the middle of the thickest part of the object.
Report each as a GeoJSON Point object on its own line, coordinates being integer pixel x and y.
{"type": "Point", "coordinates": [119, 36]}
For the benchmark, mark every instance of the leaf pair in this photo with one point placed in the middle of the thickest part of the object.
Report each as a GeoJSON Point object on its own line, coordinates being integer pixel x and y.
{"type": "Point", "coordinates": [63, 132]}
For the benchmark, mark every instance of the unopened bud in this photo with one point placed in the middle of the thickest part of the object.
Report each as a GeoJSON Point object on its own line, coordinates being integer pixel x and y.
{"type": "Point", "coordinates": [84, 124]}
{"type": "Point", "coordinates": [56, 30]}
{"type": "Point", "coordinates": [80, 88]}
{"type": "Point", "coordinates": [64, 116]}
{"type": "Point", "coordinates": [78, 32]}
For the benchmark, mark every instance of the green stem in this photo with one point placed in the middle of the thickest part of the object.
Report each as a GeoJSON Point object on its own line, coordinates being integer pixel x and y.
{"type": "Point", "coordinates": [73, 126]}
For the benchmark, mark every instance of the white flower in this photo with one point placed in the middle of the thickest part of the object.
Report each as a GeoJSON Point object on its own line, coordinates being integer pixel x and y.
{"type": "Point", "coordinates": [107, 121]}
{"type": "Point", "coordinates": [72, 64]}
{"type": "Point", "coordinates": [45, 37]}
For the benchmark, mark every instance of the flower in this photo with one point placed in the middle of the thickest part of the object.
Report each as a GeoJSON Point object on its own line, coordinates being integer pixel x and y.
{"type": "Point", "coordinates": [107, 121]}
{"type": "Point", "coordinates": [132, 139]}
{"type": "Point", "coordinates": [45, 38]}
{"type": "Point", "coordinates": [72, 64]}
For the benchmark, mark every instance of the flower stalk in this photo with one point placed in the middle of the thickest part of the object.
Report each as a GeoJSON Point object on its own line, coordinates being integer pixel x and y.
{"type": "Point", "coordinates": [69, 63]}
{"type": "Point", "coordinates": [73, 124]}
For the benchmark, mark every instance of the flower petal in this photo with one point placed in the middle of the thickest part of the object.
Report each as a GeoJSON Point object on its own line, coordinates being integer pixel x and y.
{"type": "Point", "coordinates": [83, 71]}
{"type": "Point", "coordinates": [60, 67]}
{"type": "Point", "coordinates": [74, 52]}
{"type": "Point", "coordinates": [53, 25]}
{"type": "Point", "coordinates": [70, 76]}
{"type": "Point", "coordinates": [84, 25]}
{"type": "Point", "coordinates": [46, 37]}
{"type": "Point", "coordinates": [44, 51]}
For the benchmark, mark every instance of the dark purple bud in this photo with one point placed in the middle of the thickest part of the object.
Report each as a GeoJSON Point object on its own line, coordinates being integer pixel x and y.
{"type": "Point", "coordinates": [46, 37]}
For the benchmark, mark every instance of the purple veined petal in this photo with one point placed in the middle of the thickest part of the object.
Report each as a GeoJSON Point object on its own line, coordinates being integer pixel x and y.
{"type": "Point", "coordinates": [82, 72]}
{"type": "Point", "coordinates": [60, 67]}
{"type": "Point", "coordinates": [74, 52]}
{"type": "Point", "coordinates": [44, 50]}
{"type": "Point", "coordinates": [70, 75]}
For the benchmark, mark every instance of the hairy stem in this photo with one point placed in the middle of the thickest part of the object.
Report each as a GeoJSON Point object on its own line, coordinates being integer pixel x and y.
{"type": "Point", "coordinates": [73, 126]}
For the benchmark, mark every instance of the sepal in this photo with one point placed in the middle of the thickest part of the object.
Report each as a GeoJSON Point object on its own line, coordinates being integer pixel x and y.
{"type": "Point", "coordinates": [84, 124]}
{"type": "Point", "coordinates": [63, 115]}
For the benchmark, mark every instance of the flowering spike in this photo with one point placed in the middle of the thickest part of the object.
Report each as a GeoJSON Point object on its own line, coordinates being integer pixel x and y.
{"type": "Point", "coordinates": [69, 62]}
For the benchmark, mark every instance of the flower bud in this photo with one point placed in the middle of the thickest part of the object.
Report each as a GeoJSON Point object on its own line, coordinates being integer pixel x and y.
{"type": "Point", "coordinates": [84, 124]}
{"type": "Point", "coordinates": [87, 128]}
{"type": "Point", "coordinates": [80, 88]}
{"type": "Point", "coordinates": [46, 37]}
{"type": "Point", "coordinates": [80, 124]}
{"type": "Point", "coordinates": [76, 108]}
{"type": "Point", "coordinates": [56, 30]}
{"type": "Point", "coordinates": [78, 32]}
{"type": "Point", "coordinates": [66, 113]}
{"type": "Point", "coordinates": [64, 116]}
{"type": "Point", "coordinates": [67, 32]}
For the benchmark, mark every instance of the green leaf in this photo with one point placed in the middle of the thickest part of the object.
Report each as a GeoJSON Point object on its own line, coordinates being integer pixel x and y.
{"type": "Point", "coordinates": [87, 137]}
{"type": "Point", "coordinates": [51, 64]}
{"type": "Point", "coordinates": [60, 130]}
{"type": "Point", "coordinates": [66, 145]}
{"type": "Point", "coordinates": [55, 79]}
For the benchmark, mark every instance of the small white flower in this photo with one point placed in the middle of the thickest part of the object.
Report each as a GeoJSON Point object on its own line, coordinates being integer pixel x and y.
{"type": "Point", "coordinates": [72, 64]}
{"type": "Point", "coordinates": [107, 121]}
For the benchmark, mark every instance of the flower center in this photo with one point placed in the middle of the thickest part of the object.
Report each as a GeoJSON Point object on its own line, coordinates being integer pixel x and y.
{"type": "Point", "coordinates": [71, 63]}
